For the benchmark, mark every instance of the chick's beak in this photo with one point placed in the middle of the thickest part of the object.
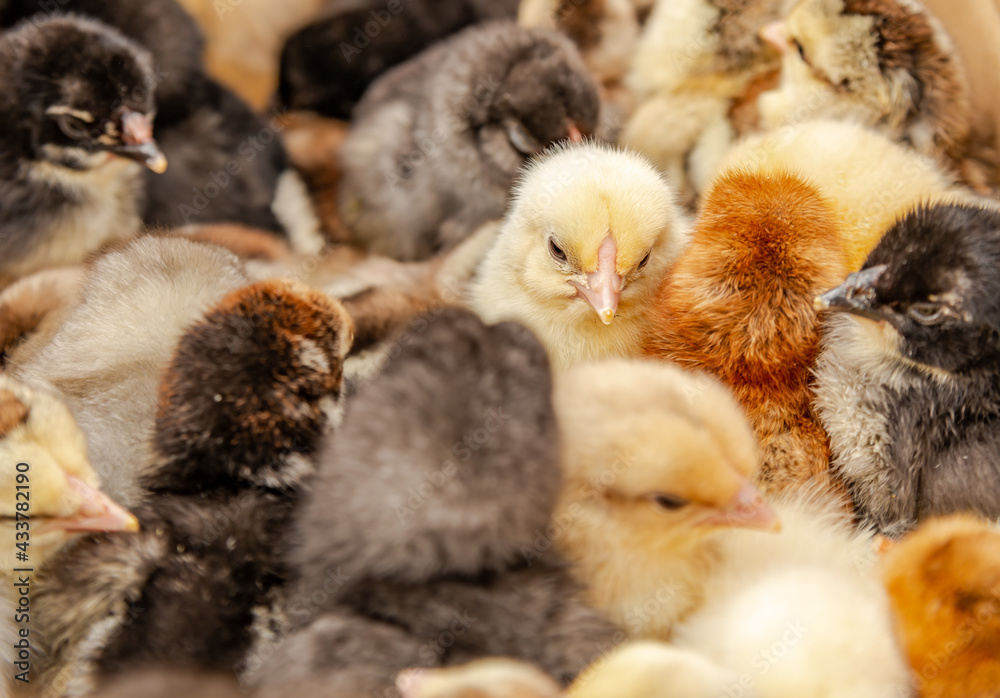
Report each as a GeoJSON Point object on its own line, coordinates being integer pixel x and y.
{"type": "Point", "coordinates": [604, 286]}
{"type": "Point", "coordinates": [776, 34]}
{"type": "Point", "coordinates": [748, 509]}
{"type": "Point", "coordinates": [96, 512]}
{"type": "Point", "coordinates": [575, 134]}
{"type": "Point", "coordinates": [138, 143]}
{"type": "Point", "coordinates": [410, 682]}
{"type": "Point", "coordinates": [856, 295]}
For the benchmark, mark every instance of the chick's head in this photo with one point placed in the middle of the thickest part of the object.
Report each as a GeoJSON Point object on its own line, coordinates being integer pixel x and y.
{"type": "Point", "coordinates": [653, 457]}
{"type": "Point", "coordinates": [932, 289]}
{"type": "Point", "coordinates": [45, 476]}
{"type": "Point", "coordinates": [84, 91]}
{"type": "Point", "coordinates": [591, 231]}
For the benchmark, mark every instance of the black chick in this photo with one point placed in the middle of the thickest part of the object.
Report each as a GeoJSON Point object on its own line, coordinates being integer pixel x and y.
{"type": "Point", "coordinates": [75, 110]}
{"type": "Point", "coordinates": [424, 541]}
{"type": "Point", "coordinates": [327, 66]}
{"type": "Point", "coordinates": [436, 142]}
{"type": "Point", "coordinates": [227, 164]}
{"type": "Point", "coordinates": [243, 405]}
{"type": "Point", "coordinates": [909, 384]}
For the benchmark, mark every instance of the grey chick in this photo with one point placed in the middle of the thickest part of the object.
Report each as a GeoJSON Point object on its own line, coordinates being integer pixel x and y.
{"type": "Point", "coordinates": [437, 142]}
{"type": "Point", "coordinates": [424, 540]}
{"type": "Point", "coordinates": [107, 356]}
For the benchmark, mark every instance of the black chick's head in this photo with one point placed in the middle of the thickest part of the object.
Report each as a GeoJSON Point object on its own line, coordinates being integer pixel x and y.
{"type": "Point", "coordinates": [536, 92]}
{"type": "Point", "coordinates": [935, 278]}
{"type": "Point", "coordinates": [250, 391]}
{"type": "Point", "coordinates": [75, 90]}
{"type": "Point", "coordinates": [446, 463]}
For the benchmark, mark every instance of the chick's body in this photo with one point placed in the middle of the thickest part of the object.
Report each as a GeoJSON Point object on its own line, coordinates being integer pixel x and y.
{"type": "Point", "coordinates": [944, 583]}
{"type": "Point", "coordinates": [436, 143]}
{"type": "Point", "coordinates": [867, 178]}
{"type": "Point", "coordinates": [591, 229]}
{"type": "Point", "coordinates": [739, 304]}
{"type": "Point", "coordinates": [429, 521]}
{"type": "Point", "coordinates": [250, 390]}
{"type": "Point", "coordinates": [907, 383]}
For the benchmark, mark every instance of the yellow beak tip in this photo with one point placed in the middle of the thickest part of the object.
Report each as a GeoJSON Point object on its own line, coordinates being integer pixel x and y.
{"type": "Point", "coordinates": [607, 315]}
{"type": "Point", "coordinates": [159, 165]}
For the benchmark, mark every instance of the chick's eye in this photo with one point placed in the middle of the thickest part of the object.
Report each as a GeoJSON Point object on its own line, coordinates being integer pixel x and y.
{"type": "Point", "coordinates": [557, 252]}
{"type": "Point", "coordinates": [518, 135]}
{"type": "Point", "coordinates": [644, 262]}
{"type": "Point", "coordinates": [669, 502]}
{"type": "Point", "coordinates": [798, 47]}
{"type": "Point", "coordinates": [927, 313]}
{"type": "Point", "coordinates": [73, 127]}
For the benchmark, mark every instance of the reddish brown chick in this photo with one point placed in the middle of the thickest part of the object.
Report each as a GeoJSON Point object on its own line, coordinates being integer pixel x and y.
{"type": "Point", "coordinates": [739, 304]}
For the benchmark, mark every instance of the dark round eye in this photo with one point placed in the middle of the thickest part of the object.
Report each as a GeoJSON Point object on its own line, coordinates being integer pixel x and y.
{"type": "Point", "coordinates": [669, 502]}
{"type": "Point", "coordinates": [927, 313]}
{"type": "Point", "coordinates": [644, 262]}
{"type": "Point", "coordinates": [73, 127]}
{"type": "Point", "coordinates": [520, 138]}
{"type": "Point", "coordinates": [557, 252]}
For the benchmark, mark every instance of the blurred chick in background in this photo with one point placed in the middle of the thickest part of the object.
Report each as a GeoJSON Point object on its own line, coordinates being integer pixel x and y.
{"type": "Point", "coordinates": [944, 583]}
{"type": "Point", "coordinates": [656, 670]}
{"type": "Point", "coordinates": [868, 179]}
{"type": "Point", "coordinates": [252, 388]}
{"type": "Point", "coordinates": [589, 236]}
{"type": "Point", "coordinates": [76, 111]}
{"type": "Point", "coordinates": [436, 143]}
{"type": "Point", "coordinates": [739, 304]}
{"type": "Point", "coordinates": [44, 469]}
{"type": "Point", "coordinates": [485, 678]}
{"type": "Point", "coordinates": [696, 62]}
{"type": "Point", "coordinates": [107, 355]}
{"type": "Point", "coordinates": [908, 384]}
{"type": "Point", "coordinates": [424, 519]}
{"type": "Point", "coordinates": [328, 65]}
{"type": "Point", "coordinates": [885, 63]}
{"type": "Point", "coordinates": [657, 463]}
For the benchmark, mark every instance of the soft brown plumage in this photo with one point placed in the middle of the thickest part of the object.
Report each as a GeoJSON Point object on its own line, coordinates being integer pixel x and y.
{"type": "Point", "coordinates": [944, 583]}
{"type": "Point", "coordinates": [739, 304]}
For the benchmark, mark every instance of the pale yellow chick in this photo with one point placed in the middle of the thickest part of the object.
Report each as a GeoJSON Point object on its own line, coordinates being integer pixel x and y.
{"type": "Point", "coordinates": [867, 178]}
{"type": "Point", "coordinates": [656, 670]}
{"type": "Point", "coordinates": [484, 678]}
{"type": "Point", "coordinates": [589, 236]}
{"type": "Point", "coordinates": [657, 463]}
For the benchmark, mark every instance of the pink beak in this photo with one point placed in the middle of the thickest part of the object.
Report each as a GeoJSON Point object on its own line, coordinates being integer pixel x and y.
{"type": "Point", "coordinates": [575, 134]}
{"type": "Point", "coordinates": [137, 135]}
{"type": "Point", "coordinates": [410, 682]}
{"type": "Point", "coordinates": [776, 34]}
{"type": "Point", "coordinates": [604, 286]}
{"type": "Point", "coordinates": [748, 509]}
{"type": "Point", "coordinates": [96, 513]}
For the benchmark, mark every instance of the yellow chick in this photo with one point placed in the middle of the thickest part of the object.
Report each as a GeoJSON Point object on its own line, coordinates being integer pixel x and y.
{"type": "Point", "coordinates": [867, 178]}
{"type": "Point", "coordinates": [656, 670]}
{"type": "Point", "coordinates": [656, 464]}
{"type": "Point", "coordinates": [485, 678]}
{"type": "Point", "coordinates": [48, 494]}
{"type": "Point", "coordinates": [589, 236]}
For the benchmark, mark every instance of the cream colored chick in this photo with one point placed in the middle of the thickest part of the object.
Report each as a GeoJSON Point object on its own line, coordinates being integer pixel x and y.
{"type": "Point", "coordinates": [656, 670]}
{"type": "Point", "coordinates": [884, 63]}
{"type": "Point", "coordinates": [485, 678]}
{"type": "Point", "coordinates": [800, 613]}
{"type": "Point", "coordinates": [590, 234]}
{"type": "Point", "coordinates": [657, 463]}
{"type": "Point", "coordinates": [48, 494]}
{"type": "Point", "coordinates": [695, 62]}
{"type": "Point", "coordinates": [867, 178]}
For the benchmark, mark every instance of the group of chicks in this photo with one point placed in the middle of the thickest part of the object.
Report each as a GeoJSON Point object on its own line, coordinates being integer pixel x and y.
{"type": "Point", "coordinates": [517, 349]}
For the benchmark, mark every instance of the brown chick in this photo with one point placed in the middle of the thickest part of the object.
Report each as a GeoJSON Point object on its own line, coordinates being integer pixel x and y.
{"type": "Point", "coordinates": [944, 585]}
{"type": "Point", "coordinates": [485, 678]}
{"type": "Point", "coordinates": [884, 63]}
{"type": "Point", "coordinates": [656, 463]}
{"type": "Point", "coordinates": [739, 305]}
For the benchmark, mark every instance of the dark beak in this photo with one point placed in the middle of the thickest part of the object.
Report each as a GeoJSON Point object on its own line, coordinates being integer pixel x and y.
{"type": "Point", "coordinates": [856, 295]}
{"type": "Point", "coordinates": [138, 144]}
